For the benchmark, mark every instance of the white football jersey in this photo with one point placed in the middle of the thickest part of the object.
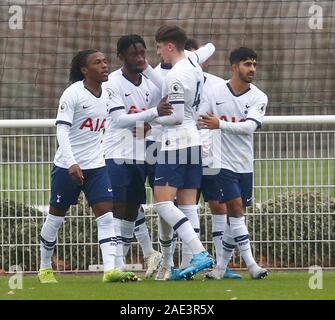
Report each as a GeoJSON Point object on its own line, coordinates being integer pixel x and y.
{"type": "Point", "coordinates": [183, 85]}
{"type": "Point", "coordinates": [119, 143]}
{"type": "Point", "coordinates": [86, 115]}
{"type": "Point", "coordinates": [156, 129]}
{"type": "Point", "coordinates": [235, 151]}
{"type": "Point", "coordinates": [206, 135]}
{"type": "Point", "coordinates": [162, 70]}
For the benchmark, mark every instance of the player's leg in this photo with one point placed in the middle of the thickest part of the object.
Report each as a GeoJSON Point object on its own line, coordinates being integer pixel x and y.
{"type": "Point", "coordinates": [152, 257]}
{"type": "Point", "coordinates": [173, 246]}
{"type": "Point", "coordinates": [163, 195]}
{"type": "Point", "coordinates": [168, 217]}
{"type": "Point", "coordinates": [239, 232]}
{"type": "Point", "coordinates": [191, 212]}
{"type": "Point", "coordinates": [119, 209]}
{"type": "Point", "coordinates": [237, 189]}
{"type": "Point", "coordinates": [212, 194]}
{"type": "Point", "coordinates": [120, 177]}
{"type": "Point", "coordinates": [64, 192]}
{"type": "Point", "coordinates": [128, 226]}
{"type": "Point", "coordinates": [246, 183]}
{"type": "Point", "coordinates": [48, 239]}
{"type": "Point", "coordinates": [186, 252]}
{"type": "Point", "coordinates": [174, 237]}
{"type": "Point", "coordinates": [141, 233]}
{"type": "Point", "coordinates": [200, 258]}
{"type": "Point", "coordinates": [135, 195]}
{"type": "Point", "coordinates": [187, 197]}
{"type": "Point", "coordinates": [219, 219]}
{"type": "Point", "coordinates": [107, 241]}
{"type": "Point", "coordinates": [219, 223]}
{"type": "Point", "coordinates": [167, 239]}
{"type": "Point", "coordinates": [230, 185]}
{"type": "Point", "coordinates": [98, 191]}
{"type": "Point", "coordinates": [169, 177]}
{"type": "Point", "coordinates": [165, 232]}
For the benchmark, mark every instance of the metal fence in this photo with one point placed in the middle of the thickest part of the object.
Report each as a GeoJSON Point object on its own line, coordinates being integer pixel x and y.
{"type": "Point", "coordinates": [291, 222]}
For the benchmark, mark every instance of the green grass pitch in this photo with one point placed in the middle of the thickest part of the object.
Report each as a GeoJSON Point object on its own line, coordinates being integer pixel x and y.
{"type": "Point", "coordinates": [277, 286]}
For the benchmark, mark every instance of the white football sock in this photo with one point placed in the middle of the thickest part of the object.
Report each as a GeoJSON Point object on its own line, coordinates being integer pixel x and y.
{"type": "Point", "coordinates": [119, 260]}
{"type": "Point", "coordinates": [127, 232]}
{"type": "Point", "coordinates": [176, 219]}
{"type": "Point", "coordinates": [48, 238]}
{"type": "Point", "coordinates": [228, 247]}
{"type": "Point", "coordinates": [107, 240]}
{"type": "Point", "coordinates": [218, 226]}
{"type": "Point", "coordinates": [191, 212]}
{"type": "Point", "coordinates": [142, 234]}
{"type": "Point", "coordinates": [240, 234]}
{"type": "Point", "coordinates": [165, 233]}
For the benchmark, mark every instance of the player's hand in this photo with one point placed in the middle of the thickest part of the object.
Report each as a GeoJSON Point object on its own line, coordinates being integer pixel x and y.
{"type": "Point", "coordinates": [76, 174]}
{"type": "Point", "coordinates": [141, 131]}
{"type": "Point", "coordinates": [133, 110]}
{"type": "Point", "coordinates": [208, 121]}
{"type": "Point", "coordinates": [164, 108]}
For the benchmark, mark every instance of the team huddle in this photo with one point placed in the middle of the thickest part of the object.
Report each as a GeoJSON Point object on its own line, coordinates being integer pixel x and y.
{"type": "Point", "coordinates": [185, 131]}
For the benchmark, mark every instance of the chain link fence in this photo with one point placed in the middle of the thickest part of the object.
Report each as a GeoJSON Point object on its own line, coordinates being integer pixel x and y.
{"type": "Point", "coordinates": [291, 222]}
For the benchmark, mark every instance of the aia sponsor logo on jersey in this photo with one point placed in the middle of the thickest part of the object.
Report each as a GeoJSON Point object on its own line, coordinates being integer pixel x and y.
{"type": "Point", "coordinates": [93, 125]}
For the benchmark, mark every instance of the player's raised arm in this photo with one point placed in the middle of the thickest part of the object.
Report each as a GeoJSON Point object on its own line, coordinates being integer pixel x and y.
{"type": "Point", "coordinates": [202, 54]}
{"type": "Point", "coordinates": [154, 76]}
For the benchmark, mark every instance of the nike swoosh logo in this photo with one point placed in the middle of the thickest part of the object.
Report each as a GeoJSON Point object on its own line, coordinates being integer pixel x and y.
{"type": "Point", "coordinates": [85, 107]}
{"type": "Point", "coordinates": [159, 178]}
{"type": "Point", "coordinates": [218, 103]}
{"type": "Point", "coordinates": [249, 199]}
{"type": "Point", "coordinates": [110, 190]}
{"type": "Point", "coordinates": [127, 94]}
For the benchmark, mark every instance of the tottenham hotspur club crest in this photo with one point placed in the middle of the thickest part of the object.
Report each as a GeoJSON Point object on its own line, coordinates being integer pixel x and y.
{"type": "Point", "coordinates": [261, 108]}
{"type": "Point", "coordinates": [246, 107]}
{"type": "Point", "coordinates": [110, 93]}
